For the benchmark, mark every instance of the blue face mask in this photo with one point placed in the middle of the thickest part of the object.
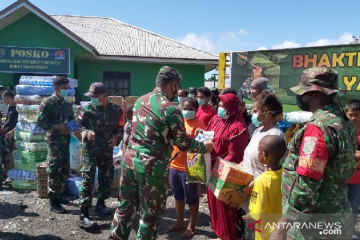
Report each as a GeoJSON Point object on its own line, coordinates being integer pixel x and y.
{"type": "Point", "coordinates": [181, 100]}
{"type": "Point", "coordinates": [222, 113]}
{"type": "Point", "coordinates": [63, 93]}
{"type": "Point", "coordinates": [191, 95]}
{"type": "Point", "coordinates": [254, 120]}
{"type": "Point", "coordinates": [201, 101]}
{"type": "Point", "coordinates": [95, 102]}
{"type": "Point", "coordinates": [188, 114]}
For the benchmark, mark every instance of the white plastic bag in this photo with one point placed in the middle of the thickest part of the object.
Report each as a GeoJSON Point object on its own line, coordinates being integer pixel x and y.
{"type": "Point", "coordinates": [298, 117]}
{"type": "Point", "coordinates": [75, 153]}
{"type": "Point", "coordinates": [118, 155]}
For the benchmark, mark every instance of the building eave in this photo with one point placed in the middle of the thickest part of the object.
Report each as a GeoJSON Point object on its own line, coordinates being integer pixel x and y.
{"type": "Point", "coordinates": [17, 6]}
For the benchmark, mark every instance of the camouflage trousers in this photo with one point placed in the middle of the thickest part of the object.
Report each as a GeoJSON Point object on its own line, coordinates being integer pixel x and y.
{"type": "Point", "coordinates": [59, 166]}
{"type": "Point", "coordinates": [139, 190]}
{"type": "Point", "coordinates": [104, 161]}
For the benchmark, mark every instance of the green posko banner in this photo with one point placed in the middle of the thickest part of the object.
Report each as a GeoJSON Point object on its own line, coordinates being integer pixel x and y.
{"type": "Point", "coordinates": [34, 60]}
{"type": "Point", "coordinates": [284, 67]}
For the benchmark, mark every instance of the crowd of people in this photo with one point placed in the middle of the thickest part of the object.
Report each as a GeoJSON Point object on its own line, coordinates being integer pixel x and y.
{"type": "Point", "coordinates": [314, 178]}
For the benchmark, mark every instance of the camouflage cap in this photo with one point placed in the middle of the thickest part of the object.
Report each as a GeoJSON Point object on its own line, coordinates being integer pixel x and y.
{"type": "Point", "coordinates": [170, 73]}
{"type": "Point", "coordinates": [95, 89]}
{"type": "Point", "coordinates": [317, 79]}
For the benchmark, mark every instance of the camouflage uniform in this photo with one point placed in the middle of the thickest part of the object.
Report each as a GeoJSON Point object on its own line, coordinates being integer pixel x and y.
{"type": "Point", "coordinates": [320, 160]}
{"type": "Point", "coordinates": [157, 126]}
{"type": "Point", "coordinates": [54, 111]}
{"type": "Point", "coordinates": [104, 122]}
{"type": "Point", "coordinates": [245, 88]}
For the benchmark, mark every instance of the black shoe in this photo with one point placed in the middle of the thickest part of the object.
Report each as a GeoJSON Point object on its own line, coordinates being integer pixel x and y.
{"type": "Point", "coordinates": [56, 207]}
{"type": "Point", "coordinates": [85, 220]}
{"type": "Point", "coordinates": [101, 208]}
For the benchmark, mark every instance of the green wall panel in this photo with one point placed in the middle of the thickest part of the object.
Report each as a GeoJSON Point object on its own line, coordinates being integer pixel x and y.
{"type": "Point", "coordinates": [142, 74]}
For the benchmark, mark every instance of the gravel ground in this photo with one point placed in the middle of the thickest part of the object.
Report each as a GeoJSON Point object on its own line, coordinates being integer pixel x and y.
{"type": "Point", "coordinates": [25, 216]}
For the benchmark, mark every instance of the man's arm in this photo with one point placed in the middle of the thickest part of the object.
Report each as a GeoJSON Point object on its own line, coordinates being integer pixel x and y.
{"type": "Point", "coordinates": [175, 121]}
{"type": "Point", "coordinates": [84, 124]}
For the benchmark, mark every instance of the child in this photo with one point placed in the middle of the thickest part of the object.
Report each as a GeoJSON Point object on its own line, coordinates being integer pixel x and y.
{"type": "Point", "coordinates": [265, 202]}
{"type": "Point", "coordinates": [353, 113]}
{"type": "Point", "coordinates": [185, 192]}
{"type": "Point", "coordinates": [127, 127]}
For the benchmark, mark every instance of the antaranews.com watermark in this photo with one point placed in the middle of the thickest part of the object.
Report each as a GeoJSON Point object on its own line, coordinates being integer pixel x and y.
{"type": "Point", "coordinates": [320, 225]}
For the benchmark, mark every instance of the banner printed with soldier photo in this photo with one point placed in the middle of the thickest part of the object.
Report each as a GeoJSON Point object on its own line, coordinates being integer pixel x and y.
{"type": "Point", "coordinates": [283, 68]}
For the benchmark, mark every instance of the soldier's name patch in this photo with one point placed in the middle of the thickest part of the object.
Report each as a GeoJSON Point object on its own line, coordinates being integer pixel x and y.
{"type": "Point", "coordinates": [313, 164]}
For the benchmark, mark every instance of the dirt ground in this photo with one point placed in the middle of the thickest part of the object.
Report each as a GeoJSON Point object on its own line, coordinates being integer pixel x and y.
{"type": "Point", "coordinates": [25, 216]}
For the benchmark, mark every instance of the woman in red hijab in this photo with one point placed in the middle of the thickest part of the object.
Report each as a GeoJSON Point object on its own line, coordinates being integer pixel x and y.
{"type": "Point", "coordinates": [230, 140]}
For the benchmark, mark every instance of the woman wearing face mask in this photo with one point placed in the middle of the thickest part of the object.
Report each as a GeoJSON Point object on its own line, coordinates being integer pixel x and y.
{"type": "Point", "coordinates": [230, 140]}
{"type": "Point", "coordinates": [185, 192]}
{"type": "Point", "coordinates": [265, 109]}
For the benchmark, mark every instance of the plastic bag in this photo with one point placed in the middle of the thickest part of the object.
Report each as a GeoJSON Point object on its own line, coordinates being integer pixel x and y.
{"type": "Point", "coordinates": [199, 165]}
{"type": "Point", "coordinates": [96, 182]}
{"type": "Point", "coordinates": [118, 155]}
{"type": "Point", "coordinates": [297, 117]}
{"type": "Point", "coordinates": [72, 125]}
{"type": "Point", "coordinates": [195, 170]}
{"type": "Point", "coordinates": [75, 153]}
{"type": "Point", "coordinates": [73, 186]}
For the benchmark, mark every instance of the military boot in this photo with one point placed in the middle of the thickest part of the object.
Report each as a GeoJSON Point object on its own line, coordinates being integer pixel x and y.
{"type": "Point", "coordinates": [101, 208]}
{"type": "Point", "coordinates": [56, 207]}
{"type": "Point", "coordinates": [85, 220]}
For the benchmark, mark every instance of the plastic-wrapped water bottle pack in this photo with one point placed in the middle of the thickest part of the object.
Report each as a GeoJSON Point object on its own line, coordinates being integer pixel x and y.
{"type": "Point", "coordinates": [29, 127]}
{"type": "Point", "coordinates": [31, 146]}
{"type": "Point", "coordinates": [36, 99]}
{"type": "Point", "coordinates": [44, 81]}
{"type": "Point", "coordinates": [21, 174]}
{"type": "Point", "coordinates": [39, 90]}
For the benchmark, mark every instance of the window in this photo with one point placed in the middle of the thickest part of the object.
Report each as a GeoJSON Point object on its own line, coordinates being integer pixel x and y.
{"type": "Point", "coordinates": [117, 83]}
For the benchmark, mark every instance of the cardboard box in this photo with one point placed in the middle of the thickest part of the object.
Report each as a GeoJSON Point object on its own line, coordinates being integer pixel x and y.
{"type": "Point", "coordinates": [118, 100]}
{"type": "Point", "coordinates": [227, 176]}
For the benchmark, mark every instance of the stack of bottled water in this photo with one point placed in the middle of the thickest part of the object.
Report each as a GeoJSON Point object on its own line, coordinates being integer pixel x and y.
{"type": "Point", "coordinates": [30, 138]}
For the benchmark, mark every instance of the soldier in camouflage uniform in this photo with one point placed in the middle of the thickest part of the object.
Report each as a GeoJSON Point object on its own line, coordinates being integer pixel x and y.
{"type": "Point", "coordinates": [320, 161]}
{"type": "Point", "coordinates": [157, 126]}
{"type": "Point", "coordinates": [100, 132]}
{"type": "Point", "coordinates": [54, 112]}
